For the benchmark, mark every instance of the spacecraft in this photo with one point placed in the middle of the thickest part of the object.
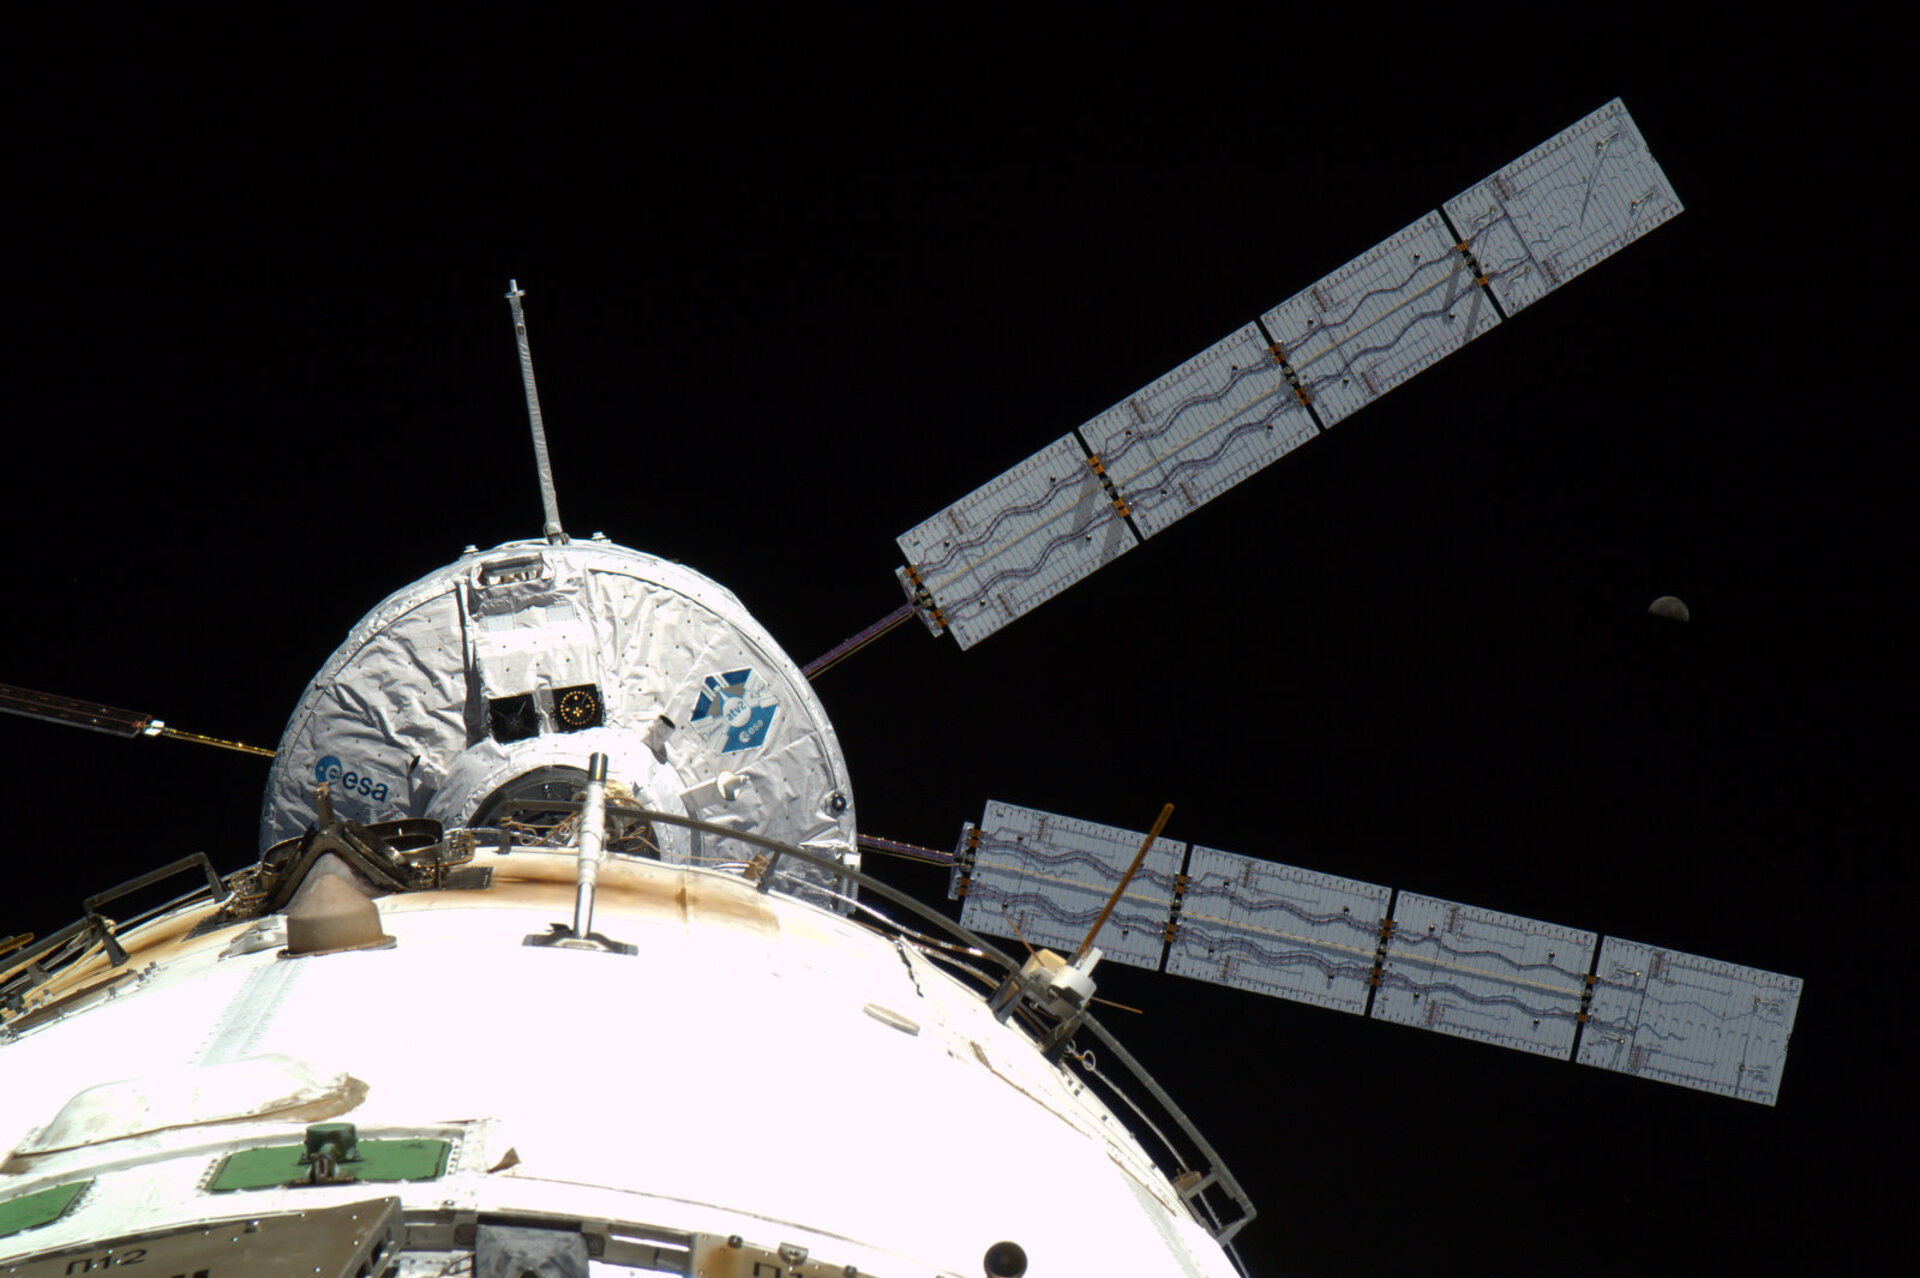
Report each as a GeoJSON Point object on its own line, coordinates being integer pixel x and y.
{"type": "Point", "coordinates": [582, 783]}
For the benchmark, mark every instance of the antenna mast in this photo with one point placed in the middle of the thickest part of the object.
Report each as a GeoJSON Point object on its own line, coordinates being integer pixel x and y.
{"type": "Point", "coordinates": [549, 503]}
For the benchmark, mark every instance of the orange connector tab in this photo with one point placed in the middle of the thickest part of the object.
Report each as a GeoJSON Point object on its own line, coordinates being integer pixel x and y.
{"type": "Point", "coordinates": [1113, 494]}
{"type": "Point", "coordinates": [923, 598]}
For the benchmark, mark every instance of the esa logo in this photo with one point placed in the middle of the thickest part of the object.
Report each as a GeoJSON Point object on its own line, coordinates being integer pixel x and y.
{"type": "Point", "coordinates": [343, 778]}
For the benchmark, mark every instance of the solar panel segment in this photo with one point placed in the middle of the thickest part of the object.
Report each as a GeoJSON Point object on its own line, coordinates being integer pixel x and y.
{"type": "Point", "coordinates": [1398, 308]}
{"type": "Point", "coordinates": [1043, 878]}
{"type": "Point", "coordinates": [1480, 974]}
{"type": "Point", "coordinates": [1568, 204]}
{"type": "Point", "coordinates": [1694, 1021]}
{"type": "Point", "coordinates": [1185, 438]}
{"type": "Point", "coordinates": [1012, 544]}
{"type": "Point", "coordinates": [1278, 929]}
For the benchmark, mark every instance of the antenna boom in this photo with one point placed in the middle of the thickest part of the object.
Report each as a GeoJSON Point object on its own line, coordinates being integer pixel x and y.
{"type": "Point", "coordinates": [549, 503]}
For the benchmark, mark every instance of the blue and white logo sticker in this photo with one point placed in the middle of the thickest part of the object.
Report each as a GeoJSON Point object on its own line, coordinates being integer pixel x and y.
{"type": "Point", "coordinates": [349, 778]}
{"type": "Point", "coordinates": [735, 711]}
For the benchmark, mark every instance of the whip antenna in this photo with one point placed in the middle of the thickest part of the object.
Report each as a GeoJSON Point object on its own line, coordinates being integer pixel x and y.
{"type": "Point", "coordinates": [549, 503]}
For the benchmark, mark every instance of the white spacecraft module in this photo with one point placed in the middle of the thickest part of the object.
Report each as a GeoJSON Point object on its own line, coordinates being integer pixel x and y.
{"type": "Point", "coordinates": [496, 678]}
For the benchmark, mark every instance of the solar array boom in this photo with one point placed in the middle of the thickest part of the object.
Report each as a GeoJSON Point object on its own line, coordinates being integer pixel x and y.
{"type": "Point", "coordinates": [1357, 947]}
{"type": "Point", "coordinates": [1302, 367]}
{"type": "Point", "coordinates": [49, 707]}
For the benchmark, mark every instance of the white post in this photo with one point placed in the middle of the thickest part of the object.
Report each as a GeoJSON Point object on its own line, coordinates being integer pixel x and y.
{"type": "Point", "coordinates": [593, 839]}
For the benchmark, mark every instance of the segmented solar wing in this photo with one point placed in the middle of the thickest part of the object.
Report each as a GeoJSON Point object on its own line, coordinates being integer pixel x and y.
{"type": "Point", "coordinates": [1300, 368]}
{"type": "Point", "coordinates": [1358, 947]}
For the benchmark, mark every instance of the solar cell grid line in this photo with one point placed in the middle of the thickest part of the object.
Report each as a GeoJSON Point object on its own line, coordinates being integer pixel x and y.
{"type": "Point", "coordinates": [1191, 434]}
{"type": "Point", "coordinates": [1574, 200]}
{"type": "Point", "coordinates": [1012, 544]}
{"type": "Point", "coordinates": [1278, 929]}
{"type": "Point", "coordinates": [1480, 974]}
{"type": "Point", "coordinates": [1050, 875]}
{"type": "Point", "coordinates": [1692, 1021]}
{"type": "Point", "coordinates": [1398, 308]}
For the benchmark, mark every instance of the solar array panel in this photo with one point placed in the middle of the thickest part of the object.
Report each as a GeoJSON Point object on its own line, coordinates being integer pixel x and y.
{"type": "Point", "coordinates": [1276, 929]}
{"type": "Point", "coordinates": [1261, 392]}
{"type": "Point", "coordinates": [1015, 543]}
{"type": "Point", "coordinates": [1044, 878]}
{"type": "Point", "coordinates": [1398, 308]}
{"type": "Point", "coordinates": [1182, 440]}
{"type": "Point", "coordinates": [1358, 947]}
{"type": "Point", "coordinates": [1579, 197]}
{"type": "Point", "coordinates": [1689, 1020]}
{"type": "Point", "coordinates": [1480, 974]}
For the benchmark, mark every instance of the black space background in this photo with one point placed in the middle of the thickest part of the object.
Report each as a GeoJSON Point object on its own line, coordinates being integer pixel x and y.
{"type": "Point", "coordinates": [792, 291]}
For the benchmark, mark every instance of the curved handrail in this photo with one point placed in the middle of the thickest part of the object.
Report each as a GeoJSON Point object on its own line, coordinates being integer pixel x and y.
{"type": "Point", "coordinates": [1217, 1173]}
{"type": "Point", "coordinates": [1190, 1185]}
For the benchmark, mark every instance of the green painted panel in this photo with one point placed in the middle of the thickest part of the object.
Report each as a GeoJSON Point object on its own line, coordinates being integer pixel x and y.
{"type": "Point", "coordinates": [42, 1207]}
{"type": "Point", "coordinates": [417, 1159]}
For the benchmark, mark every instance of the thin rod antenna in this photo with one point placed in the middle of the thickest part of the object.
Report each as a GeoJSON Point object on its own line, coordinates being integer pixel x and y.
{"type": "Point", "coordinates": [548, 502]}
{"type": "Point", "coordinates": [1159, 824]}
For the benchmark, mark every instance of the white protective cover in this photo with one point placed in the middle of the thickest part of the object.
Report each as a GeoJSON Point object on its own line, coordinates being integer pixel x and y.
{"type": "Point", "coordinates": [254, 1088]}
{"type": "Point", "coordinates": [691, 685]}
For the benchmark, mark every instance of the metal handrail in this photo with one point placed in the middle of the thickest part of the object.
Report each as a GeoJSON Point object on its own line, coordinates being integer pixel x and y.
{"type": "Point", "coordinates": [780, 849]}
{"type": "Point", "coordinates": [1218, 1172]}
{"type": "Point", "coordinates": [26, 962]}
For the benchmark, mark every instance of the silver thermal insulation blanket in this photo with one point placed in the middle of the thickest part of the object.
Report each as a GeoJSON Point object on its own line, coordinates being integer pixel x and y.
{"type": "Point", "coordinates": [688, 686]}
